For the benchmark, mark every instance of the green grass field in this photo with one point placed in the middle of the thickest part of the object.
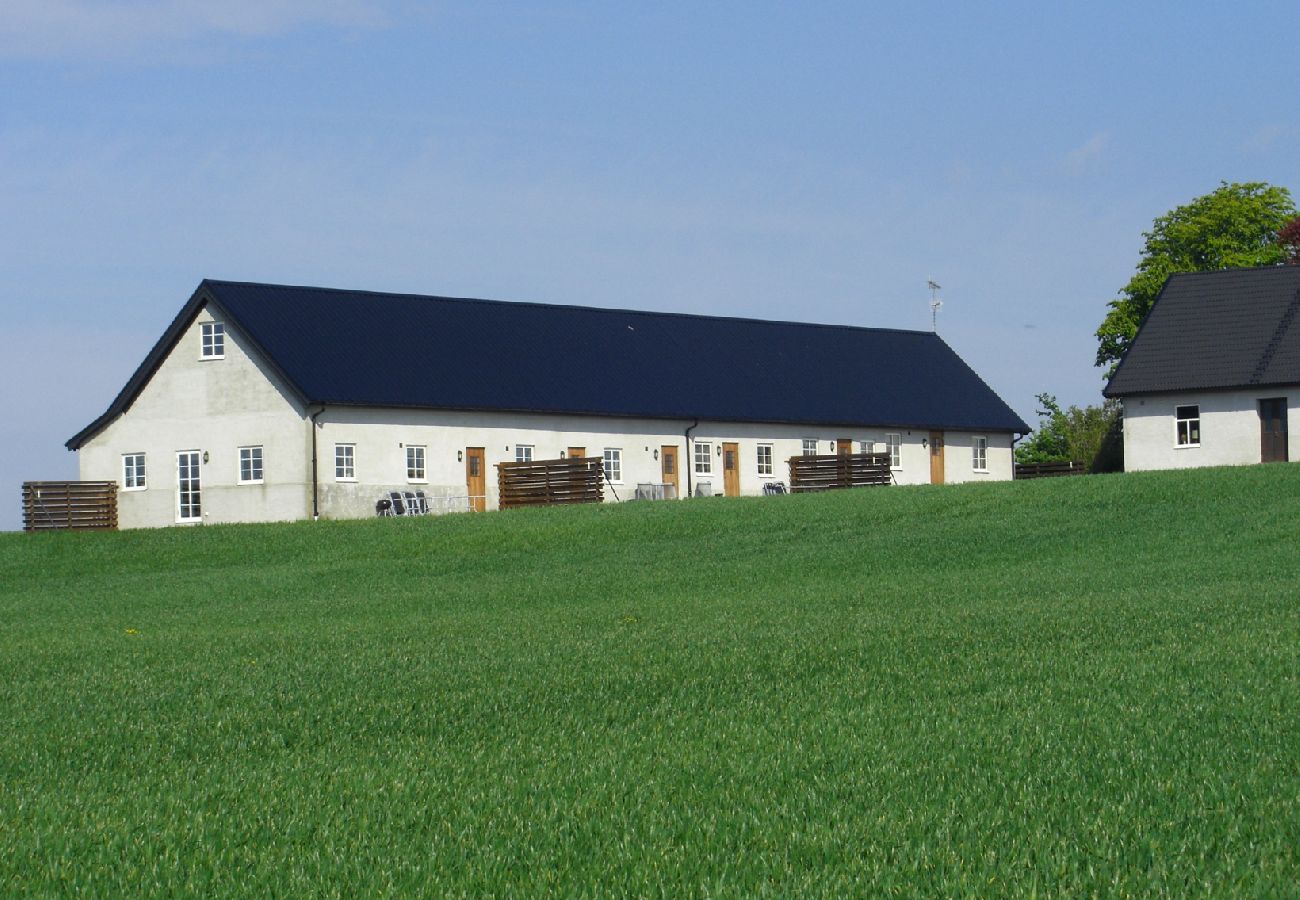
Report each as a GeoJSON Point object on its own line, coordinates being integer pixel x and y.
{"type": "Point", "coordinates": [1073, 686]}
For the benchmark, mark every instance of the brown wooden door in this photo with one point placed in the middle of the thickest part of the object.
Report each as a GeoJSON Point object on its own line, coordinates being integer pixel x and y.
{"type": "Point", "coordinates": [844, 446]}
{"type": "Point", "coordinates": [577, 453]}
{"type": "Point", "coordinates": [1272, 430]}
{"type": "Point", "coordinates": [668, 466]}
{"type": "Point", "coordinates": [476, 478]}
{"type": "Point", "coordinates": [936, 457]}
{"type": "Point", "coordinates": [731, 470]}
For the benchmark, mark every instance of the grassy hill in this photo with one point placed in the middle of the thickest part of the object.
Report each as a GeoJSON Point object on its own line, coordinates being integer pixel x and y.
{"type": "Point", "coordinates": [1085, 685]}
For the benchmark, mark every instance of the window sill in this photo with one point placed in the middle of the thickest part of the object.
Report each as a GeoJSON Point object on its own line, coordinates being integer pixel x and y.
{"type": "Point", "coordinates": [417, 481]}
{"type": "Point", "coordinates": [258, 481]}
{"type": "Point", "coordinates": [346, 480]}
{"type": "Point", "coordinates": [980, 471]}
{"type": "Point", "coordinates": [1187, 446]}
{"type": "Point", "coordinates": [206, 358]}
{"type": "Point", "coordinates": [133, 490]}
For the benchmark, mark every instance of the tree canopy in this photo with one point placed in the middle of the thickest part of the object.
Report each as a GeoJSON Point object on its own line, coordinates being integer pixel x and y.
{"type": "Point", "coordinates": [1289, 240]}
{"type": "Point", "coordinates": [1085, 435]}
{"type": "Point", "coordinates": [1235, 225]}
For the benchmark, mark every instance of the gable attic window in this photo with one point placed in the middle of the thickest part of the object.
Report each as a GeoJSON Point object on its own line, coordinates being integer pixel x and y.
{"type": "Point", "coordinates": [214, 340]}
{"type": "Point", "coordinates": [1188, 425]}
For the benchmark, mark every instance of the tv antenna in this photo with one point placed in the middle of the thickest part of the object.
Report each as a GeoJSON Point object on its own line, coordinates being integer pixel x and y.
{"type": "Point", "coordinates": [935, 304]}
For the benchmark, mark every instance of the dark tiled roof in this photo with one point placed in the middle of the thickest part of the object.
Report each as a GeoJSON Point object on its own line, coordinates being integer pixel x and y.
{"type": "Point", "coordinates": [400, 350]}
{"type": "Point", "coordinates": [1215, 330]}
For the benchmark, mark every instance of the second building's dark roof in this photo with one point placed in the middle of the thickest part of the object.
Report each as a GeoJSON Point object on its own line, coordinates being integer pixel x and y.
{"type": "Point", "coordinates": [1232, 328]}
{"type": "Point", "coordinates": [360, 348]}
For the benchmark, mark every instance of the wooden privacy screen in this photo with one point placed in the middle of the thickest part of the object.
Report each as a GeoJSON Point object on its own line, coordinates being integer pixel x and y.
{"type": "Point", "coordinates": [546, 481]}
{"type": "Point", "coordinates": [824, 473]}
{"type": "Point", "coordinates": [1049, 470]}
{"type": "Point", "coordinates": [49, 505]}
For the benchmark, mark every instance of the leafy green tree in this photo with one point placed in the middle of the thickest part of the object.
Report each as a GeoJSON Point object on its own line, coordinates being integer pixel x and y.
{"type": "Point", "coordinates": [1088, 435]}
{"type": "Point", "coordinates": [1236, 225]}
{"type": "Point", "coordinates": [1289, 240]}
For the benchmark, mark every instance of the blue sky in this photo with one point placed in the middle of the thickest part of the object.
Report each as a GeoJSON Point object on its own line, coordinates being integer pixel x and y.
{"type": "Point", "coordinates": [806, 161]}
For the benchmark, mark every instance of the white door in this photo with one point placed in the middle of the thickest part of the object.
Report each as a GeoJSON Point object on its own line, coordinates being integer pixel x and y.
{"type": "Point", "coordinates": [188, 506]}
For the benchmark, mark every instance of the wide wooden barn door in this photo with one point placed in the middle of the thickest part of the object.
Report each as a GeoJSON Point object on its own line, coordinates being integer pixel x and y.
{"type": "Point", "coordinates": [731, 469]}
{"type": "Point", "coordinates": [1272, 430]}
{"type": "Point", "coordinates": [936, 457]}
{"type": "Point", "coordinates": [475, 479]}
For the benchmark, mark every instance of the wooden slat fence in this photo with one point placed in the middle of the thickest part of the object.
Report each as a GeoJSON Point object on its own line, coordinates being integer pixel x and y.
{"type": "Point", "coordinates": [829, 472]}
{"type": "Point", "coordinates": [1049, 470]}
{"type": "Point", "coordinates": [61, 505]}
{"type": "Point", "coordinates": [550, 481]}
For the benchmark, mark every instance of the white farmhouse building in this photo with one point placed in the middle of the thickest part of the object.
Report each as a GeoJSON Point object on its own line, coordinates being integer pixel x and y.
{"type": "Point", "coordinates": [265, 402]}
{"type": "Point", "coordinates": [1213, 376]}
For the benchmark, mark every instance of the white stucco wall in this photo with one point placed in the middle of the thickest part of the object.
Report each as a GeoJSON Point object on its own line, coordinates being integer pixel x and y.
{"type": "Point", "coordinates": [381, 436]}
{"type": "Point", "coordinates": [216, 406]}
{"type": "Point", "coordinates": [1230, 429]}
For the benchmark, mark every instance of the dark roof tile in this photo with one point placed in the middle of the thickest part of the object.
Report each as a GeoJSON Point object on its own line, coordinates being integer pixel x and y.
{"type": "Point", "coordinates": [368, 349]}
{"type": "Point", "coordinates": [1216, 330]}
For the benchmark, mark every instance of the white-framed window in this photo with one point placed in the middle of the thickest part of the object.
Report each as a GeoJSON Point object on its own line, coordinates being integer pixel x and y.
{"type": "Point", "coordinates": [764, 457]}
{"type": "Point", "coordinates": [213, 340]}
{"type": "Point", "coordinates": [250, 465]}
{"type": "Point", "coordinates": [810, 446]}
{"type": "Point", "coordinates": [894, 444]}
{"type": "Point", "coordinates": [523, 452]}
{"type": "Point", "coordinates": [980, 454]}
{"type": "Point", "coordinates": [133, 472]}
{"type": "Point", "coordinates": [614, 464]}
{"type": "Point", "coordinates": [703, 458]}
{"type": "Point", "coordinates": [866, 446]}
{"type": "Point", "coordinates": [189, 489]}
{"type": "Point", "coordinates": [1188, 425]}
{"type": "Point", "coordinates": [345, 462]}
{"type": "Point", "coordinates": [414, 462]}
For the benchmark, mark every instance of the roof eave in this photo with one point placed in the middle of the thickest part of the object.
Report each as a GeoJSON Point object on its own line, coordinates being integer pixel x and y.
{"type": "Point", "coordinates": [1018, 427]}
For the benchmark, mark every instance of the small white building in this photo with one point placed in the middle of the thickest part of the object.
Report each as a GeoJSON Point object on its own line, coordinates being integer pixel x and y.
{"type": "Point", "coordinates": [1213, 376]}
{"type": "Point", "coordinates": [265, 402]}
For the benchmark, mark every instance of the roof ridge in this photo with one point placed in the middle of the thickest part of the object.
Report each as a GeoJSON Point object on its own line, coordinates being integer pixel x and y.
{"type": "Point", "coordinates": [1203, 272]}
{"type": "Point", "coordinates": [544, 305]}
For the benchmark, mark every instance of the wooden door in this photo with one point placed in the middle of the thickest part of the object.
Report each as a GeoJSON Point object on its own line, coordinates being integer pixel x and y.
{"type": "Point", "coordinates": [668, 466]}
{"type": "Point", "coordinates": [577, 453]}
{"type": "Point", "coordinates": [844, 446]}
{"type": "Point", "coordinates": [731, 470]}
{"type": "Point", "coordinates": [476, 479]}
{"type": "Point", "coordinates": [936, 457]}
{"type": "Point", "coordinates": [1272, 430]}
